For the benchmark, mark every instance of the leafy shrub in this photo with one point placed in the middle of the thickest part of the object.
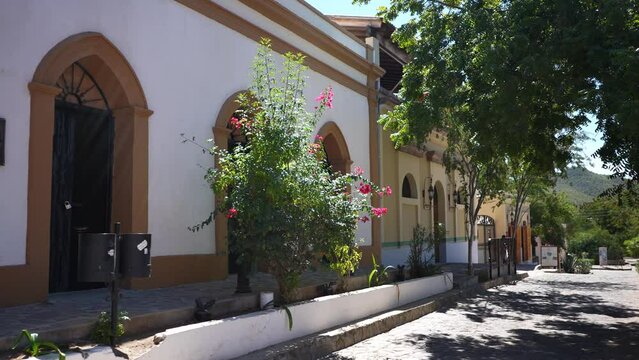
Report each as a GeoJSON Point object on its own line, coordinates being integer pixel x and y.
{"type": "Point", "coordinates": [615, 251]}
{"type": "Point", "coordinates": [568, 263]}
{"type": "Point", "coordinates": [591, 240]}
{"type": "Point", "coordinates": [101, 333]}
{"type": "Point", "coordinates": [632, 247]}
{"type": "Point", "coordinates": [287, 206]}
{"type": "Point", "coordinates": [344, 261]}
{"type": "Point", "coordinates": [583, 266]}
{"type": "Point", "coordinates": [421, 245]}
{"type": "Point", "coordinates": [573, 265]}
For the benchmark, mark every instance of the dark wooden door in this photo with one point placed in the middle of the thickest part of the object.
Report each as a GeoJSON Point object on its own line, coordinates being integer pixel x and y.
{"type": "Point", "coordinates": [81, 187]}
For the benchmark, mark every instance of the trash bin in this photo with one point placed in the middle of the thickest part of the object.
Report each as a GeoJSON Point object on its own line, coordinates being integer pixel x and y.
{"type": "Point", "coordinates": [95, 257]}
{"type": "Point", "coordinates": [135, 255]}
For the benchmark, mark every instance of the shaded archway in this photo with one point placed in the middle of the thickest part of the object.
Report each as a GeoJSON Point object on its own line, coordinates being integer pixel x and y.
{"type": "Point", "coordinates": [221, 136]}
{"type": "Point", "coordinates": [121, 86]}
{"type": "Point", "coordinates": [409, 187]}
{"type": "Point", "coordinates": [337, 153]}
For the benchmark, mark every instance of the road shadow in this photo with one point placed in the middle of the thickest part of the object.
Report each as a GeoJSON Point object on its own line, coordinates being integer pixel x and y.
{"type": "Point", "coordinates": [576, 340]}
{"type": "Point", "coordinates": [520, 305]}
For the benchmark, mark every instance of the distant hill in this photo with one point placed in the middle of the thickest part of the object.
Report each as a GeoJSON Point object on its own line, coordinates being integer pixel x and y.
{"type": "Point", "coordinates": [582, 185]}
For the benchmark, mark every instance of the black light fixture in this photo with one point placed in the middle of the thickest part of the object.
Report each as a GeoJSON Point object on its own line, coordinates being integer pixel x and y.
{"type": "Point", "coordinates": [430, 194]}
{"type": "Point", "coordinates": [457, 197]}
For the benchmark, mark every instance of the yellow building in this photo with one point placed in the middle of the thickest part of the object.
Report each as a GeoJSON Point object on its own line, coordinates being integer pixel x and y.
{"type": "Point", "coordinates": [496, 220]}
{"type": "Point", "coordinates": [424, 193]}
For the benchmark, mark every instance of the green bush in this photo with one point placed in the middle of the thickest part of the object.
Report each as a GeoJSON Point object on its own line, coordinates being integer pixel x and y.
{"type": "Point", "coordinates": [632, 247]}
{"type": "Point", "coordinates": [101, 333]}
{"type": "Point", "coordinates": [573, 265]}
{"type": "Point", "coordinates": [583, 266]}
{"type": "Point", "coordinates": [615, 251]}
{"type": "Point", "coordinates": [591, 240]}
{"type": "Point", "coordinates": [568, 263]}
{"type": "Point", "coordinates": [288, 208]}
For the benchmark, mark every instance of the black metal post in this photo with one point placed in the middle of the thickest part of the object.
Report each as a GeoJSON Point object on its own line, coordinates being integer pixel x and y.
{"type": "Point", "coordinates": [515, 260]}
{"type": "Point", "coordinates": [499, 246]}
{"type": "Point", "coordinates": [114, 284]}
{"type": "Point", "coordinates": [510, 258]}
{"type": "Point", "coordinates": [490, 258]}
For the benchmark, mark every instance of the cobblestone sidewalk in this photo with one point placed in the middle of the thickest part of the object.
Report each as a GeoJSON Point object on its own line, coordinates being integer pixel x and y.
{"type": "Point", "coordinates": [548, 315]}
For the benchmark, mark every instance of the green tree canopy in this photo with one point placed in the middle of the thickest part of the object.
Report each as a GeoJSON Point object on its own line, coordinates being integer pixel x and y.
{"type": "Point", "coordinates": [525, 72]}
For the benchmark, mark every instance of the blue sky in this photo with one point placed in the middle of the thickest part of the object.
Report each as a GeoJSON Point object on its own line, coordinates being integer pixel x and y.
{"type": "Point", "coordinates": [345, 7]}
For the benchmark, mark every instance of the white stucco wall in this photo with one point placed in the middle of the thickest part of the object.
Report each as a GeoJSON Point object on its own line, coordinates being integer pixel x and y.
{"type": "Point", "coordinates": [328, 28]}
{"type": "Point", "coordinates": [278, 30]}
{"type": "Point", "coordinates": [219, 338]}
{"type": "Point", "coordinates": [188, 65]}
{"type": "Point", "coordinates": [457, 252]}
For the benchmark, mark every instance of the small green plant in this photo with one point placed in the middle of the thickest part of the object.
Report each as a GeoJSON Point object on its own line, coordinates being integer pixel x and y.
{"type": "Point", "coordinates": [35, 347]}
{"type": "Point", "coordinates": [583, 265]}
{"type": "Point", "coordinates": [573, 265]}
{"type": "Point", "coordinates": [568, 263]}
{"type": "Point", "coordinates": [421, 244]}
{"type": "Point", "coordinates": [102, 331]}
{"type": "Point", "coordinates": [379, 274]}
{"type": "Point", "coordinates": [344, 260]}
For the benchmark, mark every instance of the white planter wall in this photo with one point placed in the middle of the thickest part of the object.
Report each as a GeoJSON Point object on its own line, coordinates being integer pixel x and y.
{"type": "Point", "coordinates": [236, 336]}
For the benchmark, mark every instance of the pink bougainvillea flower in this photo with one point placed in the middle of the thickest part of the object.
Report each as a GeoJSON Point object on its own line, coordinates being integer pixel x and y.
{"type": "Point", "coordinates": [326, 97]}
{"type": "Point", "coordinates": [329, 99]}
{"type": "Point", "coordinates": [319, 138]}
{"type": "Point", "coordinates": [235, 123]}
{"type": "Point", "coordinates": [365, 189]}
{"type": "Point", "coordinates": [231, 213]}
{"type": "Point", "coordinates": [388, 190]}
{"type": "Point", "coordinates": [357, 171]}
{"type": "Point", "coordinates": [314, 148]}
{"type": "Point", "coordinates": [380, 193]}
{"type": "Point", "coordinates": [379, 212]}
{"type": "Point", "coordinates": [364, 219]}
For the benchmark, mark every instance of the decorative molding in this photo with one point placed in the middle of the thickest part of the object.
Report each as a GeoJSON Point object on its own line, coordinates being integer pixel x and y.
{"type": "Point", "coordinates": [283, 16]}
{"type": "Point", "coordinates": [233, 21]}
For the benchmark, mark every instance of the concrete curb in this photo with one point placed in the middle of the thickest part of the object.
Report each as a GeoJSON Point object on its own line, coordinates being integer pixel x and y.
{"type": "Point", "coordinates": [321, 344]}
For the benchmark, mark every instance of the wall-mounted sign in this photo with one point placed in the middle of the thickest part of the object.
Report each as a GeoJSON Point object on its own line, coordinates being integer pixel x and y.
{"type": "Point", "coordinates": [2, 141]}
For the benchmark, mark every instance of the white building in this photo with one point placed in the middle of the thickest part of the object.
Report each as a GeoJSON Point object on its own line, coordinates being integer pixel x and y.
{"type": "Point", "coordinates": [96, 94]}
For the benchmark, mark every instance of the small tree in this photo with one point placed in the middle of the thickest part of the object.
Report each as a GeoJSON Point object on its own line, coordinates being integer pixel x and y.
{"type": "Point", "coordinates": [482, 176]}
{"type": "Point", "coordinates": [288, 208]}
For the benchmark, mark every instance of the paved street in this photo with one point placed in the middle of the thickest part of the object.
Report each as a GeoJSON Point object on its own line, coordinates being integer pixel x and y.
{"type": "Point", "coordinates": [546, 316]}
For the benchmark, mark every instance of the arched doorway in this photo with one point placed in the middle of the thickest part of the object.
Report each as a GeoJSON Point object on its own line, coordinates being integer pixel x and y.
{"type": "Point", "coordinates": [336, 149]}
{"type": "Point", "coordinates": [82, 172]}
{"type": "Point", "coordinates": [439, 221]}
{"type": "Point", "coordinates": [225, 137]}
{"type": "Point", "coordinates": [86, 53]}
{"type": "Point", "coordinates": [485, 231]}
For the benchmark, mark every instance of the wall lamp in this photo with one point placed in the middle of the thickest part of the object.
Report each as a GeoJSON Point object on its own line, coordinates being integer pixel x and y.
{"type": "Point", "coordinates": [431, 195]}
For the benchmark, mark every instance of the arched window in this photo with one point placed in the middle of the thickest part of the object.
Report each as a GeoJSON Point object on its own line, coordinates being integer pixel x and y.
{"type": "Point", "coordinates": [485, 220]}
{"type": "Point", "coordinates": [409, 189]}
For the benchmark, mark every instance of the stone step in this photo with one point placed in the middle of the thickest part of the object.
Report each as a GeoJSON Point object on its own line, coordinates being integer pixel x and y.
{"type": "Point", "coordinates": [464, 281]}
